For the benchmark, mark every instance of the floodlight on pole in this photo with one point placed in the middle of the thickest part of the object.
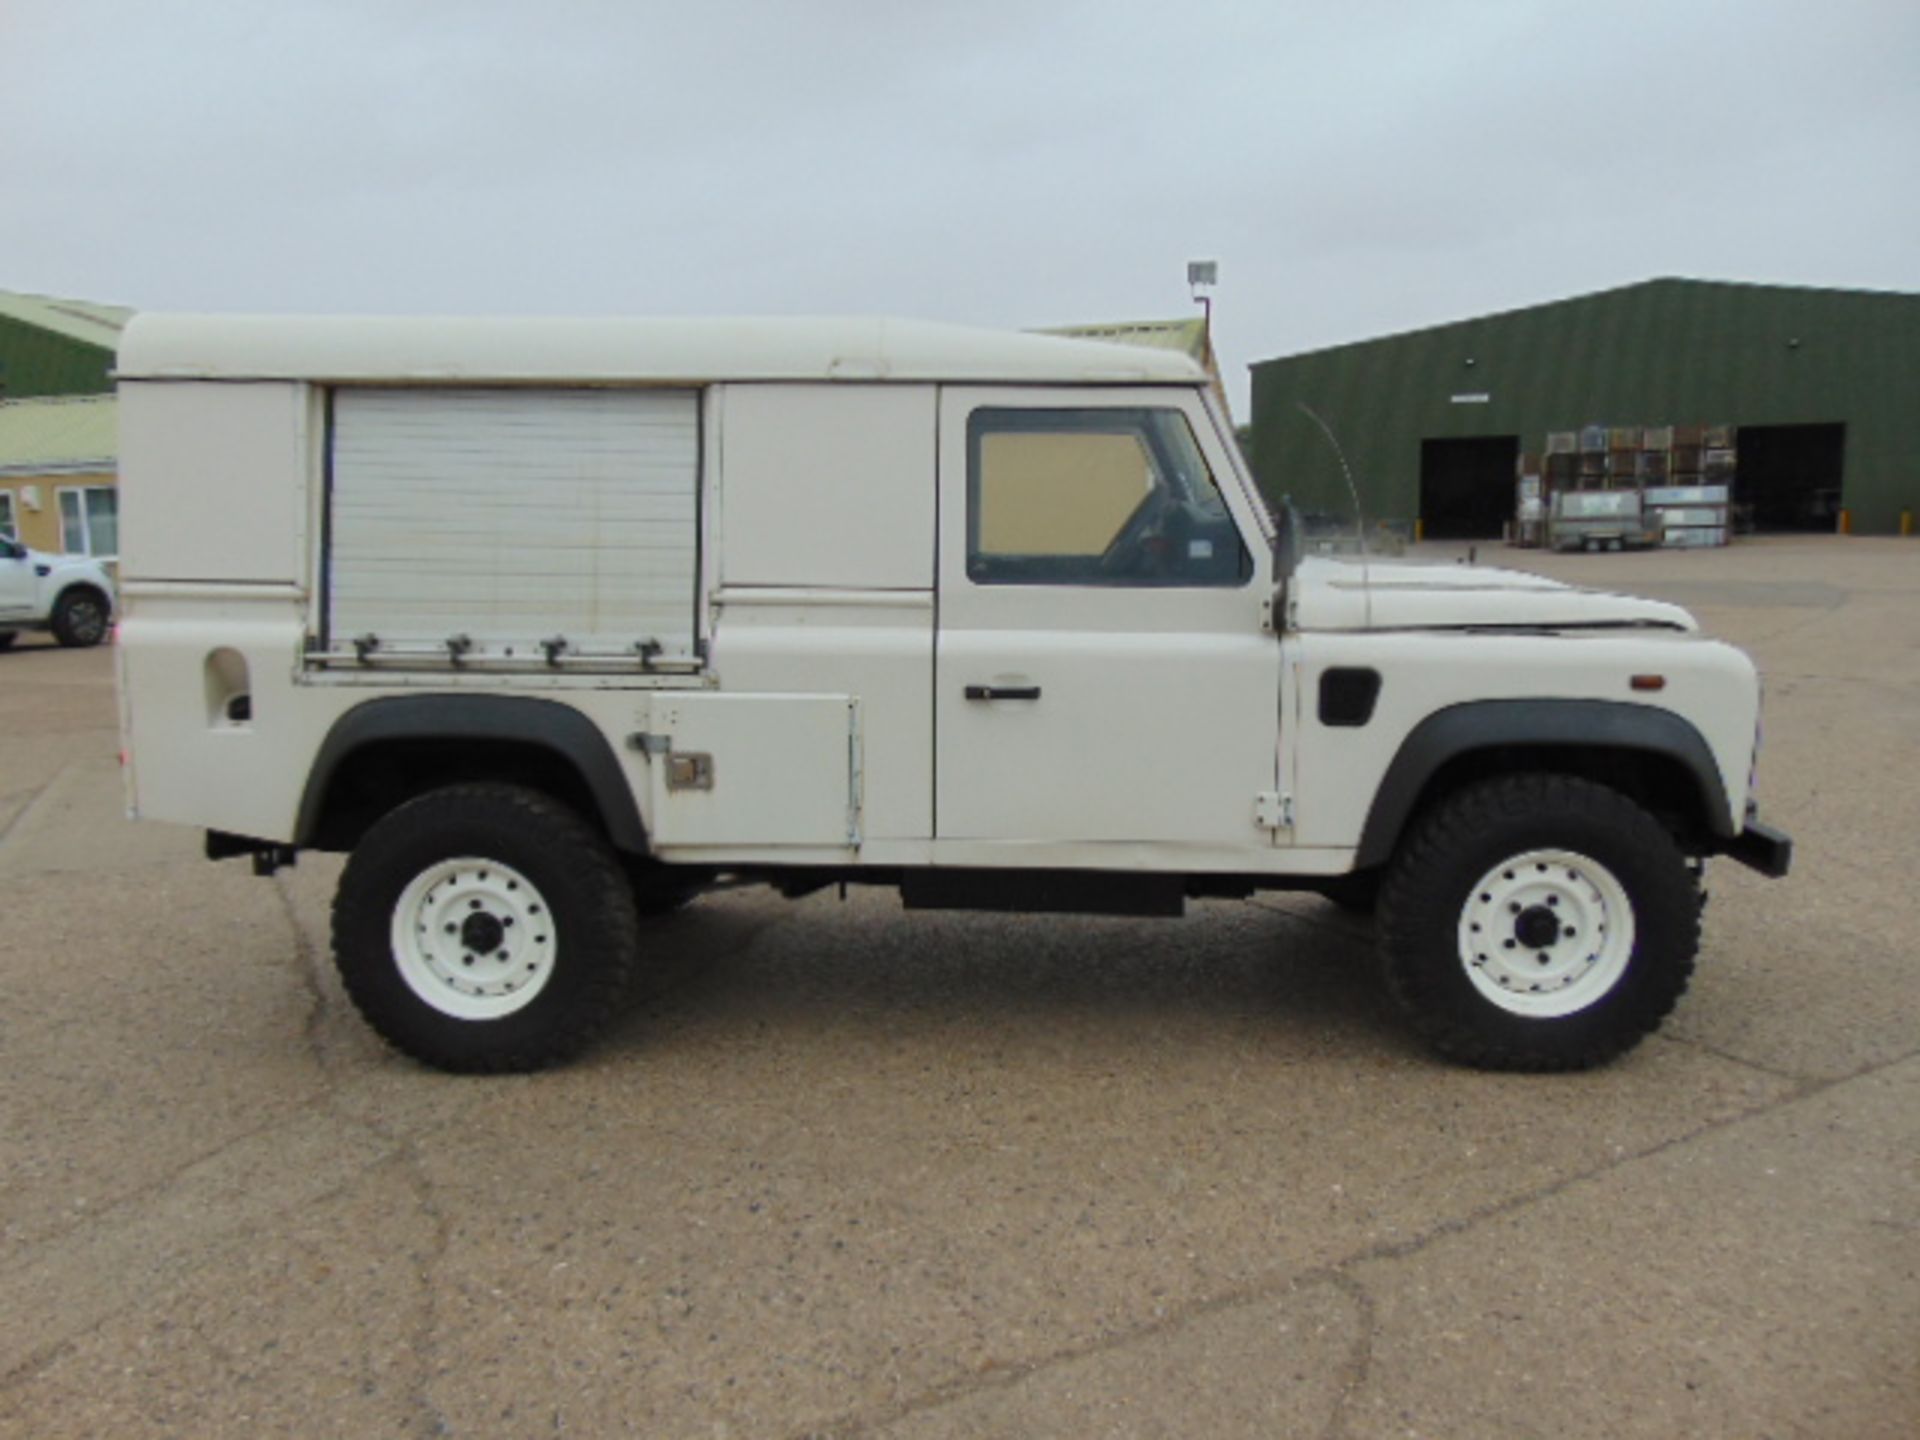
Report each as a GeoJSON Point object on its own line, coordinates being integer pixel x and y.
{"type": "Point", "coordinates": [1202, 276]}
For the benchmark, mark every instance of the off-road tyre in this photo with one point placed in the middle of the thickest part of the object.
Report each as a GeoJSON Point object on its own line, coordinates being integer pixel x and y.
{"type": "Point", "coordinates": [1592, 854]}
{"type": "Point", "coordinates": [499, 845]}
{"type": "Point", "coordinates": [81, 617]}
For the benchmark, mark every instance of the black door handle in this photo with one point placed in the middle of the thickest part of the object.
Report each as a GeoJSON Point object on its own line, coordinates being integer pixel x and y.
{"type": "Point", "coordinates": [1003, 692]}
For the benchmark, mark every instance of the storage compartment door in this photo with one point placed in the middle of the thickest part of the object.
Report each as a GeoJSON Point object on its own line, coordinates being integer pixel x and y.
{"type": "Point", "coordinates": [754, 770]}
{"type": "Point", "coordinates": [514, 517]}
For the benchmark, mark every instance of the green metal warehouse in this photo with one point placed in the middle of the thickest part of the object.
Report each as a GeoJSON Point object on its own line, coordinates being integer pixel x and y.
{"type": "Point", "coordinates": [1823, 385]}
{"type": "Point", "coordinates": [51, 346]}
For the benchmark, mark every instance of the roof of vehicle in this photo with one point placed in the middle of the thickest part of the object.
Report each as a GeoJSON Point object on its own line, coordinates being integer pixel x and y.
{"type": "Point", "coordinates": [1188, 334]}
{"type": "Point", "coordinates": [476, 350]}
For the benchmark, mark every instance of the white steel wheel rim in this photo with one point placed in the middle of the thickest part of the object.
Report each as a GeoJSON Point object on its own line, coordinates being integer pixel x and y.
{"type": "Point", "coordinates": [474, 939]}
{"type": "Point", "coordinates": [1507, 953]}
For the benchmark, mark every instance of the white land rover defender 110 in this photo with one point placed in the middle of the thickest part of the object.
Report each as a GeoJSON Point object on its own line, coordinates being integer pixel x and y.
{"type": "Point", "coordinates": [552, 625]}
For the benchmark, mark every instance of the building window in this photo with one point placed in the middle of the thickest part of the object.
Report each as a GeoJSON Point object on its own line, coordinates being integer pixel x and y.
{"type": "Point", "coordinates": [90, 521]}
{"type": "Point", "coordinates": [1095, 497]}
{"type": "Point", "coordinates": [7, 529]}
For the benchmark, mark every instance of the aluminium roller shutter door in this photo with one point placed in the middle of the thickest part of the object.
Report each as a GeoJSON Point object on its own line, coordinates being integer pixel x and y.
{"type": "Point", "coordinates": [514, 516]}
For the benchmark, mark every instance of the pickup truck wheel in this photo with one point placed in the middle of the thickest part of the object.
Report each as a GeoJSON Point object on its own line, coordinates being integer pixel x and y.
{"type": "Point", "coordinates": [1538, 922]}
{"type": "Point", "coordinates": [485, 928]}
{"type": "Point", "coordinates": [79, 617]}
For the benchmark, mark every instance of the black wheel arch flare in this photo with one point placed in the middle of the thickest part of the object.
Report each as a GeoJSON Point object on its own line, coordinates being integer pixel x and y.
{"type": "Point", "coordinates": [548, 725]}
{"type": "Point", "coordinates": [1599, 725]}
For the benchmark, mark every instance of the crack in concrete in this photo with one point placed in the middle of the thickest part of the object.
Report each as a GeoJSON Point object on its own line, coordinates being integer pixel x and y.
{"type": "Point", "coordinates": [1337, 1274]}
{"type": "Point", "coordinates": [149, 1188]}
{"type": "Point", "coordinates": [34, 798]}
{"type": "Point", "coordinates": [405, 1153]}
{"type": "Point", "coordinates": [1007, 1374]}
{"type": "Point", "coordinates": [37, 1360]}
{"type": "Point", "coordinates": [1359, 1364]}
{"type": "Point", "coordinates": [1792, 1077]}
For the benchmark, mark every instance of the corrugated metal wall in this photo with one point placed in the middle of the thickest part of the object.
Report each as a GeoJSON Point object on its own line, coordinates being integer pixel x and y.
{"type": "Point", "coordinates": [34, 361]}
{"type": "Point", "coordinates": [1661, 352]}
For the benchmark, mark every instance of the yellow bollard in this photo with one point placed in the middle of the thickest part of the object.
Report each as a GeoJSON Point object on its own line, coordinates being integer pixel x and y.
{"type": "Point", "coordinates": [1845, 526]}
{"type": "Point", "coordinates": [1906, 522]}
{"type": "Point", "coordinates": [1419, 531]}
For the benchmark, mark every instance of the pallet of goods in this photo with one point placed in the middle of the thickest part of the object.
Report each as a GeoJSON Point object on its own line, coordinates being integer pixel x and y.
{"type": "Point", "coordinates": [1625, 486]}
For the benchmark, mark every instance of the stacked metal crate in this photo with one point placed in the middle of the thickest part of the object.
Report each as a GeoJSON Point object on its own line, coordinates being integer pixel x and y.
{"type": "Point", "coordinates": [1681, 477]}
{"type": "Point", "coordinates": [1529, 502]}
{"type": "Point", "coordinates": [1623, 457]}
{"type": "Point", "coordinates": [1691, 503]}
{"type": "Point", "coordinates": [1593, 457]}
{"type": "Point", "coordinates": [1593, 499]}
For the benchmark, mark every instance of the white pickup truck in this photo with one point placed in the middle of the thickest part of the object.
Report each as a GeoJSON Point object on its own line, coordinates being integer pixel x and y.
{"type": "Point", "coordinates": [552, 625]}
{"type": "Point", "coordinates": [70, 595]}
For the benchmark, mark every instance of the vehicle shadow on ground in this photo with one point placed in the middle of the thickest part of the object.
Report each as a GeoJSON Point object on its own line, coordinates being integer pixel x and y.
{"type": "Point", "coordinates": [737, 965]}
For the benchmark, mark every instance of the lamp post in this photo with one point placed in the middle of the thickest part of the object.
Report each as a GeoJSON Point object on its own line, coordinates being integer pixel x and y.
{"type": "Point", "coordinates": [1202, 276]}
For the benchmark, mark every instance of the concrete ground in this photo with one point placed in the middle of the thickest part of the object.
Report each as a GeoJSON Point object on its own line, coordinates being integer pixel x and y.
{"type": "Point", "coordinates": [865, 1173]}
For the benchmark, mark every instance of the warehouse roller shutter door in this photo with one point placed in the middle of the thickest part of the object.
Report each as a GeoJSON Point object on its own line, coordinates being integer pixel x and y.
{"type": "Point", "coordinates": [1467, 487]}
{"type": "Point", "coordinates": [514, 517]}
{"type": "Point", "coordinates": [1790, 477]}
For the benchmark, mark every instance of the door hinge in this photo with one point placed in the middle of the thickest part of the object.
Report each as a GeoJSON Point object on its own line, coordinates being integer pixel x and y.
{"type": "Point", "coordinates": [1272, 810]}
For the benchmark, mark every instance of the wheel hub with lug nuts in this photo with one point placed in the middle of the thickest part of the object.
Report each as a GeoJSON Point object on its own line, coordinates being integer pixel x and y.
{"type": "Point", "coordinates": [1546, 933]}
{"type": "Point", "coordinates": [473, 938]}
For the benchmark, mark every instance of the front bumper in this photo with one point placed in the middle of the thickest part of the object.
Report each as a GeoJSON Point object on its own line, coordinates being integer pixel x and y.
{"type": "Point", "coordinates": [1763, 848]}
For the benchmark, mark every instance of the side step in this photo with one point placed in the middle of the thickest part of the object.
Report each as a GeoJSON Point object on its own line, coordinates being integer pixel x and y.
{"type": "Point", "coordinates": [1044, 892]}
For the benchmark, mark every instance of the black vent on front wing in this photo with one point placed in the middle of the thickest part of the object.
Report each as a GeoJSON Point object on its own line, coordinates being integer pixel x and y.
{"type": "Point", "coordinates": [1347, 696]}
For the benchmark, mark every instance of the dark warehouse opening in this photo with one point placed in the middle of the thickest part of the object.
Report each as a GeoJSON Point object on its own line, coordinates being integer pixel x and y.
{"type": "Point", "coordinates": [1467, 486]}
{"type": "Point", "coordinates": [1787, 477]}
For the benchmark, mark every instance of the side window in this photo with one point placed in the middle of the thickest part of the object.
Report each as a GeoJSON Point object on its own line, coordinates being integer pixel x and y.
{"type": "Point", "coordinates": [1095, 497]}
{"type": "Point", "coordinates": [90, 521]}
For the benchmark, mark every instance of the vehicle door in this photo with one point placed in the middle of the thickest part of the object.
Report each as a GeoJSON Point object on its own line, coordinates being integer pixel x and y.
{"type": "Point", "coordinates": [17, 581]}
{"type": "Point", "coordinates": [1101, 671]}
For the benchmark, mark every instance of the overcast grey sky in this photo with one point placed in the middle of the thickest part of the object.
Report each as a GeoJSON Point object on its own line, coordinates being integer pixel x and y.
{"type": "Point", "coordinates": [1356, 167]}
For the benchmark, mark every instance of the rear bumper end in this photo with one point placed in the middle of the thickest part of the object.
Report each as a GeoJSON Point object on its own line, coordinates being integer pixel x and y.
{"type": "Point", "coordinates": [1762, 848]}
{"type": "Point", "coordinates": [268, 855]}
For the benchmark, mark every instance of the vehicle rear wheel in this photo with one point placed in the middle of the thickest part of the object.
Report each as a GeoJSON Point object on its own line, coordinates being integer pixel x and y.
{"type": "Point", "coordinates": [79, 617]}
{"type": "Point", "coordinates": [485, 928]}
{"type": "Point", "coordinates": [1538, 922]}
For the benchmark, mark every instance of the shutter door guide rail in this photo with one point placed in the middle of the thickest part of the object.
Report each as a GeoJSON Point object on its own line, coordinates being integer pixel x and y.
{"type": "Point", "coordinates": [368, 652]}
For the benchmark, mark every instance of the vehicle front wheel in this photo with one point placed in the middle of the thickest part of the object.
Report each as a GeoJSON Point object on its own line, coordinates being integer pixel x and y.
{"type": "Point", "coordinates": [7, 637]}
{"type": "Point", "coordinates": [79, 617]}
{"type": "Point", "coordinates": [1538, 922]}
{"type": "Point", "coordinates": [485, 928]}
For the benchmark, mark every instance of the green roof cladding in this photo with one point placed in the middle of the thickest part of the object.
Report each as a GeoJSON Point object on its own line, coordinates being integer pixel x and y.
{"type": "Point", "coordinates": [50, 346]}
{"type": "Point", "coordinates": [1660, 352]}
